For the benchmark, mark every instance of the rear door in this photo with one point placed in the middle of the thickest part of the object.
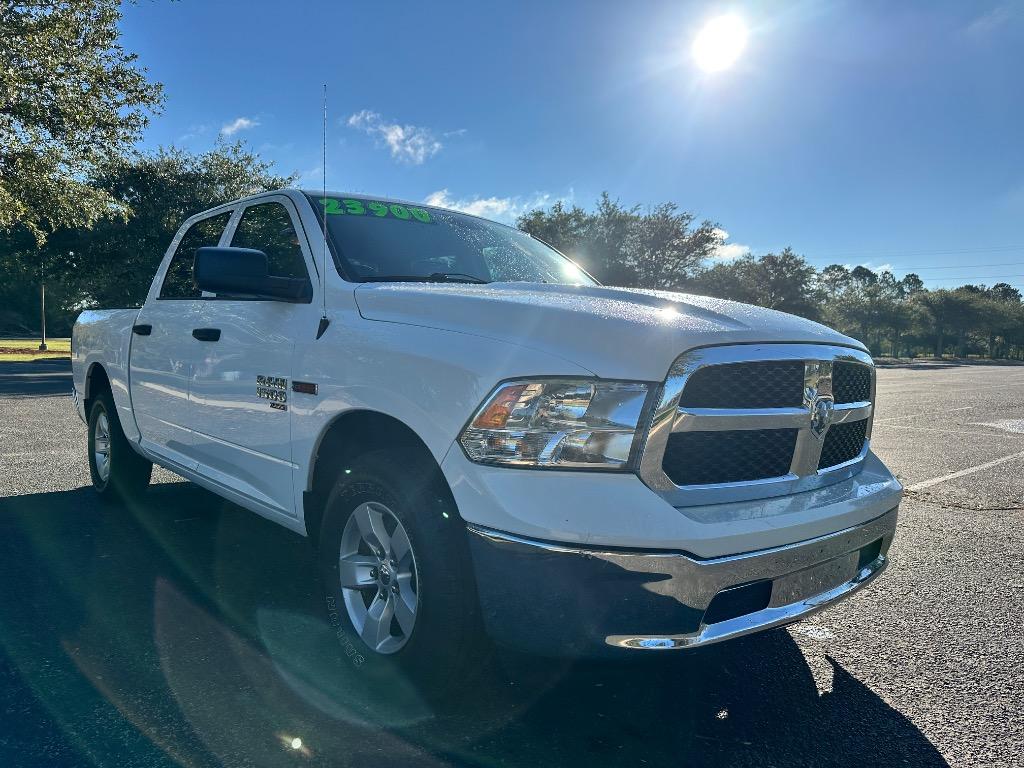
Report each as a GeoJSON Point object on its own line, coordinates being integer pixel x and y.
{"type": "Point", "coordinates": [162, 346]}
{"type": "Point", "coordinates": [241, 383]}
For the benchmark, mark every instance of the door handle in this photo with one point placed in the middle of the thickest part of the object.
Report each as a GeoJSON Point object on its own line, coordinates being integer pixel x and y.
{"type": "Point", "coordinates": [142, 330]}
{"type": "Point", "coordinates": [206, 334]}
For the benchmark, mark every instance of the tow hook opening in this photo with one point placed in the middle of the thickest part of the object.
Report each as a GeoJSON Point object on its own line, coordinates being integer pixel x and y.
{"type": "Point", "coordinates": [868, 554]}
{"type": "Point", "coordinates": [738, 601]}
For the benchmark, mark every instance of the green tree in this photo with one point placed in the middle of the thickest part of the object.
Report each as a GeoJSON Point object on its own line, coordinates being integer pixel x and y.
{"type": "Point", "coordinates": [660, 248]}
{"type": "Point", "coordinates": [1005, 292]}
{"type": "Point", "coordinates": [870, 306]}
{"type": "Point", "coordinates": [112, 264]}
{"type": "Point", "coordinates": [71, 100]}
{"type": "Point", "coordinates": [863, 276]}
{"type": "Point", "coordinates": [954, 313]}
{"type": "Point", "coordinates": [665, 247]}
{"type": "Point", "coordinates": [854, 305]}
{"type": "Point", "coordinates": [912, 284]}
{"type": "Point", "coordinates": [833, 280]}
{"type": "Point", "coordinates": [1000, 307]}
{"type": "Point", "coordinates": [562, 227]}
{"type": "Point", "coordinates": [603, 249]}
{"type": "Point", "coordinates": [782, 281]}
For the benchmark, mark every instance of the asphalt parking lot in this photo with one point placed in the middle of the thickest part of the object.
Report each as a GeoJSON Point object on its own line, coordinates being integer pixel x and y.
{"type": "Point", "coordinates": [186, 631]}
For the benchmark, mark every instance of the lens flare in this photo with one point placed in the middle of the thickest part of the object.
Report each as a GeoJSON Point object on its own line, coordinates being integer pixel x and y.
{"type": "Point", "coordinates": [719, 44]}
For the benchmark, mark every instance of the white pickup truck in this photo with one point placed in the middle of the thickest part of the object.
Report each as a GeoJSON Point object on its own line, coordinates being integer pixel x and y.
{"type": "Point", "coordinates": [480, 440]}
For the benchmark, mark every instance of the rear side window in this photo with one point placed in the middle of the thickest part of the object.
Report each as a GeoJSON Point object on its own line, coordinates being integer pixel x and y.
{"type": "Point", "coordinates": [178, 282]}
{"type": "Point", "coordinates": [267, 227]}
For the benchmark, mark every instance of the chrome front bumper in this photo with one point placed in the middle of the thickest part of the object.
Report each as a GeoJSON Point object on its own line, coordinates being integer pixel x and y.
{"type": "Point", "coordinates": [563, 600]}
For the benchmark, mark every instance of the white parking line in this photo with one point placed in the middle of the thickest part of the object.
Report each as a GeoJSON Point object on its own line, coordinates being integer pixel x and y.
{"type": "Point", "coordinates": [901, 387]}
{"type": "Point", "coordinates": [969, 471]}
{"type": "Point", "coordinates": [914, 415]}
{"type": "Point", "coordinates": [22, 454]}
{"type": "Point", "coordinates": [947, 432]}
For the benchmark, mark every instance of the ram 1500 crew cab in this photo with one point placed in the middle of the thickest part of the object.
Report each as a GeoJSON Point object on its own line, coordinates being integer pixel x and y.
{"type": "Point", "coordinates": [481, 440]}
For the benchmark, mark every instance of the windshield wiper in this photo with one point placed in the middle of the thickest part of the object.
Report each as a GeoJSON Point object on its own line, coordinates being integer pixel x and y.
{"type": "Point", "coordinates": [434, 277]}
{"type": "Point", "coordinates": [455, 277]}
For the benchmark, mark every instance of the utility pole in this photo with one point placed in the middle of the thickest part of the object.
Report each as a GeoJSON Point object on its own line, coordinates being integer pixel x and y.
{"type": "Point", "coordinates": [42, 308]}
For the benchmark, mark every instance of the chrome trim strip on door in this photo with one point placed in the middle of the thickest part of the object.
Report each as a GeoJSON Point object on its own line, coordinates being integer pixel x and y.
{"type": "Point", "coordinates": [804, 474]}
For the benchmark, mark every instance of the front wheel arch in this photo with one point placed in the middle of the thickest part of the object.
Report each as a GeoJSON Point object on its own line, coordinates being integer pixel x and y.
{"type": "Point", "coordinates": [349, 436]}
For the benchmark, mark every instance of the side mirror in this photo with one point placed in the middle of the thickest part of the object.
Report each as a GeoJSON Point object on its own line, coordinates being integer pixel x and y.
{"type": "Point", "coordinates": [242, 272]}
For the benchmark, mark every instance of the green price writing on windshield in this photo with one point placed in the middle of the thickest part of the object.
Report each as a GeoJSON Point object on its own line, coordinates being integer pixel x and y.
{"type": "Point", "coordinates": [350, 206]}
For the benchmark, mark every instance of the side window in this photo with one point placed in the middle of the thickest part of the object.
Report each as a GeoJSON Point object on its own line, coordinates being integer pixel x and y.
{"type": "Point", "coordinates": [178, 283]}
{"type": "Point", "coordinates": [267, 227]}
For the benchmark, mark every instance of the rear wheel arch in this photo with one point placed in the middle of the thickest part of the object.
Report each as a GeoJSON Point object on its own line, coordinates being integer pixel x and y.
{"type": "Point", "coordinates": [348, 436]}
{"type": "Point", "coordinates": [96, 382]}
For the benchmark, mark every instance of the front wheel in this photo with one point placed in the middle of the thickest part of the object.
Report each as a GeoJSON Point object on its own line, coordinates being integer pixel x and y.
{"type": "Point", "coordinates": [397, 573]}
{"type": "Point", "coordinates": [117, 471]}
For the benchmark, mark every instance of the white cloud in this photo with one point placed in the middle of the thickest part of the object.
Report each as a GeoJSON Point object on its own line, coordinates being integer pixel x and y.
{"type": "Point", "coordinates": [505, 209]}
{"type": "Point", "coordinates": [239, 124]}
{"type": "Point", "coordinates": [728, 251]}
{"type": "Point", "coordinates": [194, 132]}
{"type": "Point", "coordinates": [992, 19]}
{"type": "Point", "coordinates": [876, 268]}
{"type": "Point", "coordinates": [311, 178]}
{"type": "Point", "coordinates": [270, 148]}
{"type": "Point", "coordinates": [408, 143]}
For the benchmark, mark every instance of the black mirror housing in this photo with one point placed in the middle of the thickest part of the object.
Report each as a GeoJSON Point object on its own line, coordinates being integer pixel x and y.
{"type": "Point", "coordinates": [243, 273]}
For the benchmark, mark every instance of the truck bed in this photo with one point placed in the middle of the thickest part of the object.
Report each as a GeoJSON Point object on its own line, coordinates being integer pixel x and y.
{"type": "Point", "coordinates": [104, 336]}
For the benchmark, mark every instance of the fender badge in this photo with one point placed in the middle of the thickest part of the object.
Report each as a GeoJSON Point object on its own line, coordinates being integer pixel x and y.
{"type": "Point", "coordinates": [274, 389]}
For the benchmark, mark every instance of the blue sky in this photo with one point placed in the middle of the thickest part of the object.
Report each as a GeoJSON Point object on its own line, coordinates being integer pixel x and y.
{"type": "Point", "coordinates": [857, 132]}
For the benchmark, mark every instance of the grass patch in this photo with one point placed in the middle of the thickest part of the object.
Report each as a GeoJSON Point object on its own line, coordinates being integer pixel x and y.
{"type": "Point", "coordinates": [26, 350]}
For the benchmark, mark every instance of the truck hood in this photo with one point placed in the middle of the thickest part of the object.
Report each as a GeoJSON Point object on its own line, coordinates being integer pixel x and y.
{"type": "Point", "coordinates": [623, 333]}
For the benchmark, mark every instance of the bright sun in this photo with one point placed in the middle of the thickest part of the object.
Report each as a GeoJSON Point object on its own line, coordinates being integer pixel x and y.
{"type": "Point", "coordinates": [720, 43]}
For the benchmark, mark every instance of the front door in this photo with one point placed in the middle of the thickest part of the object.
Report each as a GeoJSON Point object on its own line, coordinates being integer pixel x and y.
{"type": "Point", "coordinates": [241, 382]}
{"type": "Point", "coordinates": [162, 348]}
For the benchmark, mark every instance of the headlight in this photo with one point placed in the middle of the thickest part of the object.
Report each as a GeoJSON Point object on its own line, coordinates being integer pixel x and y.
{"type": "Point", "coordinates": [562, 423]}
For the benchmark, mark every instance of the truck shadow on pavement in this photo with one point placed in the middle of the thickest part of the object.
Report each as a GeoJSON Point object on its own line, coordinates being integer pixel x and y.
{"type": "Point", "coordinates": [183, 630]}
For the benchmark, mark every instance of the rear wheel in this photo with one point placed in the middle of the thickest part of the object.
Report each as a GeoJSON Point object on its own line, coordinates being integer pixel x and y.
{"type": "Point", "coordinates": [117, 471]}
{"type": "Point", "coordinates": [398, 577]}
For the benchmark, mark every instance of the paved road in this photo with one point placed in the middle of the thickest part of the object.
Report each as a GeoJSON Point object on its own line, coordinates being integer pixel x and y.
{"type": "Point", "coordinates": [189, 632]}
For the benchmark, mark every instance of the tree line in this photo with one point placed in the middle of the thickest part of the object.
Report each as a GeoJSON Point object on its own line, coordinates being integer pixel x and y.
{"type": "Point", "coordinates": [666, 248]}
{"type": "Point", "coordinates": [111, 262]}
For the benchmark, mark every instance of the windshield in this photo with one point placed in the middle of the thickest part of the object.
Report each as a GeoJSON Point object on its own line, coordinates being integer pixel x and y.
{"type": "Point", "coordinates": [382, 240]}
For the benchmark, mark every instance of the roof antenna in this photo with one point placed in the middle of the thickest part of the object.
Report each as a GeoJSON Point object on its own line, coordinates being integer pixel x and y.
{"type": "Point", "coordinates": [324, 321]}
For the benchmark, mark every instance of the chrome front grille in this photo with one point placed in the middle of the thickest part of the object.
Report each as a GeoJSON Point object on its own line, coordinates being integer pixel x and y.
{"type": "Point", "coordinates": [851, 382]}
{"type": "Point", "coordinates": [763, 384]}
{"type": "Point", "coordinates": [732, 456]}
{"type": "Point", "coordinates": [843, 443]}
{"type": "Point", "coordinates": [745, 422]}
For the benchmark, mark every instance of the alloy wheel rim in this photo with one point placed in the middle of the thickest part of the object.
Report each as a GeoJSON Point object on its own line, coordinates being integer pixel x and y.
{"type": "Point", "coordinates": [101, 446]}
{"type": "Point", "coordinates": [379, 578]}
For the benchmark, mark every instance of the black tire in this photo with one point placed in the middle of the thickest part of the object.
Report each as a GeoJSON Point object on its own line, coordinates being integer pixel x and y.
{"type": "Point", "coordinates": [127, 473]}
{"type": "Point", "coordinates": [447, 648]}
